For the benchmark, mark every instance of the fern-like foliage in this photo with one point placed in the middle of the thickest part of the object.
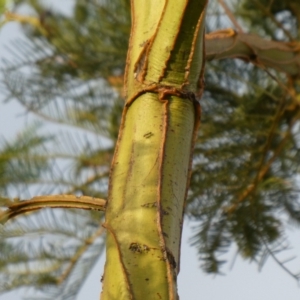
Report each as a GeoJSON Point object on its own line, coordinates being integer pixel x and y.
{"type": "Point", "coordinates": [244, 186]}
{"type": "Point", "coordinates": [67, 70]}
{"type": "Point", "coordinates": [50, 251]}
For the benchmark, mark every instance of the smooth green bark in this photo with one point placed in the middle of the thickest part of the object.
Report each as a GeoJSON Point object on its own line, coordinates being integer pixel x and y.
{"type": "Point", "coordinates": [150, 169]}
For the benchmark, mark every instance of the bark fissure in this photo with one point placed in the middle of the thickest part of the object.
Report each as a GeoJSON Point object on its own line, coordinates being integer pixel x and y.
{"type": "Point", "coordinates": [159, 199]}
{"type": "Point", "coordinates": [195, 38]}
{"type": "Point", "coordinates": [163, 70]}
{"type": "Point", "coordinates": [129, 173]}
{"type": "Point", "coordinates": [124, 271]}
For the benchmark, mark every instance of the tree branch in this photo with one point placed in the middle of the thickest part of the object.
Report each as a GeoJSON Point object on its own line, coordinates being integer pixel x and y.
{"type": "Point", "coordinates": [17, 207]}
{"type": "Point", "coordinates": [227, 43]}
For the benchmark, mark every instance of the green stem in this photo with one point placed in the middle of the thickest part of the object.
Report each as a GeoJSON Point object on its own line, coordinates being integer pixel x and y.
{"type": "Point", "coordinates": [151, 166]}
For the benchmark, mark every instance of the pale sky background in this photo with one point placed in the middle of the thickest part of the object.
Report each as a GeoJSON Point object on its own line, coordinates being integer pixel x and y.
{"type": "Point", "coordinates": [243, 281]}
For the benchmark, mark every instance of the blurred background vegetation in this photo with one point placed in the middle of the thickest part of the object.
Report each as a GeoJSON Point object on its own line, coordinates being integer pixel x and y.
{"type": "Point", "coordinates": [67, 70]}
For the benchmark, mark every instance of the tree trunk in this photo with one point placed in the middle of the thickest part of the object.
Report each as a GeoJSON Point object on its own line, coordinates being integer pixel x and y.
{"type": "Point", "coordinates": [150, 170]}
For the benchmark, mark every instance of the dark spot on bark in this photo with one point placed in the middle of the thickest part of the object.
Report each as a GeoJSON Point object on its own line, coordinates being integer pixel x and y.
{"type": "Point", "coordinates": [148, 135]}
{"type": "Point", "coordinates": [138, 248]}
{"type": "Point", "coordinates": [164, 212]}
{"type": "Point", "coordinates": [150, 205]}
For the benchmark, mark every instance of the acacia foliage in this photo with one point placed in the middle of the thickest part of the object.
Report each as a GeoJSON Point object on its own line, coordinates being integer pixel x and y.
{"type": "Point", "coordinates": [68, 70]}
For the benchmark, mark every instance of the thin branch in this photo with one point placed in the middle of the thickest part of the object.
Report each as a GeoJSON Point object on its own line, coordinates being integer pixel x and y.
{"type": "Point", "coordinates": [264, 169]}
{"type": "Point", "coordinates": [281, 264]}
{"type": "Point", "coordinates": [267, 12]}
{"type": "Point", "coordinates": [266, 148]}
{"type": "Point", "coordinates": [261, 174]}
{"type": "Point", "coordinates": [79, 253]}
{"type": "Point", "coordinates": [89, 181]}
{"type": "Point", "coordinates": [231, 16]}
{"type": "Point", "coordinates": [33, 21]}
{"type": "Point", "coordinates": [17, 207]}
